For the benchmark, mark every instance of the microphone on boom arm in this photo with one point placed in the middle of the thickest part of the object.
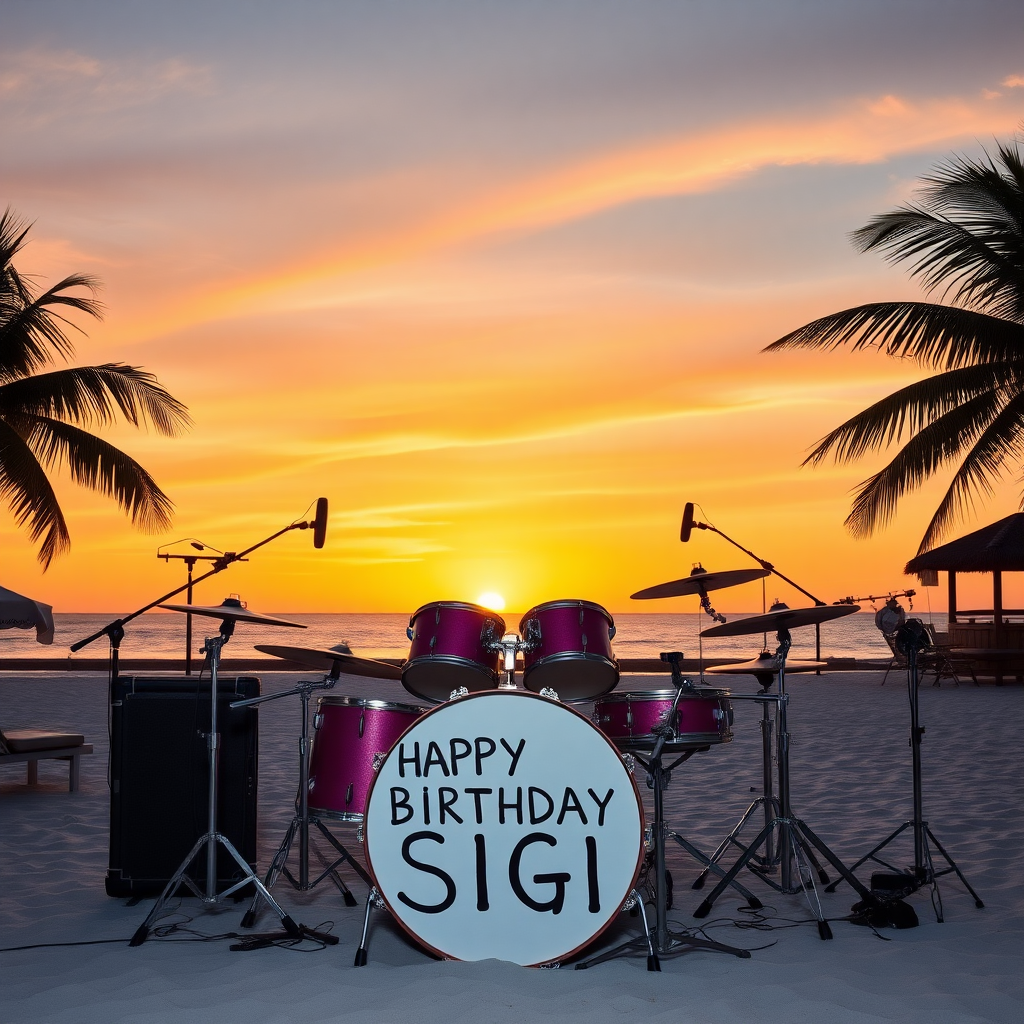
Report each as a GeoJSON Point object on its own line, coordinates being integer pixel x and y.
{"type": "Point", "coordinates": [689, 523]}
{"type": "Point", "coordinates": [320, 523]}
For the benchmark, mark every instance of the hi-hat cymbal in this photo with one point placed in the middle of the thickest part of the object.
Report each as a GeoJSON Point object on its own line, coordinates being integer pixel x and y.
{"type": "Point", "coordinates": [766, 666]}
{"type": "Point", "coordinates": [700, 580]}
{"type": "Point", "coordinates": [232, 608]}
{"type": "Point", "coordinates": [781, 618]}
{"type": "Point", "coordinates": [326, 659]}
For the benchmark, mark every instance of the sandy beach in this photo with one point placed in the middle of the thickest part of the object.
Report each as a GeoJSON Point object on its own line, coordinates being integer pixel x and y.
{"type": "Point", "coordinates": [851, 783]}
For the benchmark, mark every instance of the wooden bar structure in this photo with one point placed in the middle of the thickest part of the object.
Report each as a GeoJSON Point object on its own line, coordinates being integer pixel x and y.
{"type": "Point", "coordinates": [989, 636]}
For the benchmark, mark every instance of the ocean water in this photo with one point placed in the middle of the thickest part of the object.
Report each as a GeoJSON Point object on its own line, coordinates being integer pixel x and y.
{"type": "Point", "coordinates": [159, 634]}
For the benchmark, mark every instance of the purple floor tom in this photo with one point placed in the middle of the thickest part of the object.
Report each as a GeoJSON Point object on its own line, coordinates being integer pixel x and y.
{"type": "Point", "coordinates": [451, 646]}
{"type": "Point", "coordinates": [348, 733]}
{"type": "Point", "coordinates": [703, 718]}
{"type": "Point", "coordinates": [567, 645]}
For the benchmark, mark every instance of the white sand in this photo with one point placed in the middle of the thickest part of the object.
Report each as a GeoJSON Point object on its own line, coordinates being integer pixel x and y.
{"type": "Point", "coordinates": [851, 783]}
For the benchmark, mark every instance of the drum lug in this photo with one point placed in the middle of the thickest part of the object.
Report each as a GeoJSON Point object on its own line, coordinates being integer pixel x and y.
{"type": "Point", "coordinates": [649, 838]}
{"type": "Point", "coordinates": [409, 632]}
{"type": "Point", "coordinates": [348, 794]}
{"type": "Point", "coordinates": [630, 762]}
{"type": "Point", "coordinates": [551, 694]}
{"type": "Point", "coordinates": [318, 720]}
{"type": "Point", "coordinates": [359, 833]}
{"type": "Point", "coordinates": [378, 760]}
{"type": "Point", "coordinates": [459, 691]}
{"type": "Point", "coordinates": [362, 723]}
{"type": "Point", "coordinates": [718, 714]}
{"type": "Point", "coordinates": [531, 635]}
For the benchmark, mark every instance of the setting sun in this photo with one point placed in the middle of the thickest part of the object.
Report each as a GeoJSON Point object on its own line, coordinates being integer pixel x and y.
{"type": "Point", "coordinates": [492, 600]}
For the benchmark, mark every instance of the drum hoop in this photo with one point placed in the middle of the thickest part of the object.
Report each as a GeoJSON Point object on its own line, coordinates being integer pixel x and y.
{"type": "Point", "coordinates": [641, 696]}
{"type": "Point", "coordinates": [450, 659]}
{"type": "Point", "coordinates": [324, 812]}
{"type": "Point", "coordinates": [618, 754]}
{"type": "Point", "coordinates": [464, 605]}
{"type": "Point", "coordinates": [340, 700]}
{"type": "Point", "coordinates": [566, 603]}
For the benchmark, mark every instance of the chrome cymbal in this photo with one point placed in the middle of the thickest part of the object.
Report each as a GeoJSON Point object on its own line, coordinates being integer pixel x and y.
{"type": "Point", "coordinates": [700, 581]}
{"type": "Point", "coordinates": [233, 609]}
{"type": "Point", "coordinates": [766, 664]}
{"type": "Point", "coordinates": [781, 618]}
{"type": "Point", "coordinates": [326, 659]}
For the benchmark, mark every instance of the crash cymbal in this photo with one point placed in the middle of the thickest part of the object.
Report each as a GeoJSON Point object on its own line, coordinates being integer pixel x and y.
{"type": "Point", "coordinates": [327, 659]}
{"type": "Point", "coordinates": [781, 617]}
{"type": "Point", "coordinates": [700, 580]}
{"type": "Point", "coordinates": [231, 608]}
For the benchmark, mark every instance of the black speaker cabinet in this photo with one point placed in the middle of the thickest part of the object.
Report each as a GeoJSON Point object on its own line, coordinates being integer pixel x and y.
{"type": "Point", "coordinates": [159, 779]}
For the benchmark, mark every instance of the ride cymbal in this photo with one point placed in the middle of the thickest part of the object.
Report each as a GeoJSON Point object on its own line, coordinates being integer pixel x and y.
{"type": "Point", "coordinates": [781, 618]}
{"type": "Point", "coordinates": [232, 608]}
{"type": "Point", "coordinates": [326, 659]}
{"type": "Point", "coordinates": [698, 582]}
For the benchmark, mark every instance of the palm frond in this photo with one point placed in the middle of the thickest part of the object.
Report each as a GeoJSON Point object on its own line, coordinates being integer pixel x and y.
{"type": "Point", "coordinates": [984, 464]}
{"type": "Point", "coordinates": [27, 492]}
{"type": "Point", "coordinates": [943, 440]}
{"type": "Point", "coordinates": [981, 390]}
{"type": "Point", "coordinates": [31, 333]}
{"type": "Point", "coordinates": [103, 468]}
{"type": "Point", "coordinates": [90, 395]}
{"type": "Point", "coordinates": [941, 337]}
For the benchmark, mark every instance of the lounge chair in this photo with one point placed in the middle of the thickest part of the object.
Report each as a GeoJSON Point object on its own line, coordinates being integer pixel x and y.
{"type": "Point", "coordinates": [30, 746]}
{"type": "Point", "coordinates": [931, 659]}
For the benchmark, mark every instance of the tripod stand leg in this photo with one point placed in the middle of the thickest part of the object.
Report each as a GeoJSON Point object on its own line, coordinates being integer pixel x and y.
{"type": "Point", "coordinates": [699, 881]}
{"type": "Point", "coordinates": [339, 882]}
{"type": "Point", "coordinates": [959, 874]}
{"type": "Point", "coordinates": [805, 833]}
{"type": "Point", "coordinates": [345, 855]}
{"type": "Point", "coordinates": [705, 908]}
{"type": "Point", "coordinates": [276, 866]}
{"type": "Point", "coordinates": [752, 901]}
{"type": "Point", "coordinates": [871, 854]}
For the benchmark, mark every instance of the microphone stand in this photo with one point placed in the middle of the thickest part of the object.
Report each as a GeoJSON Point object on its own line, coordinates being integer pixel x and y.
{"type": "Point", "coordinates": [765, 564]}
{"type": "Point", "coordinates": [115, 630]}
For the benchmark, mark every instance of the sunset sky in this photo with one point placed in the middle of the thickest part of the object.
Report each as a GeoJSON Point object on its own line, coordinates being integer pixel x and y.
{"type": "Point", "coordinates": [493, 278]}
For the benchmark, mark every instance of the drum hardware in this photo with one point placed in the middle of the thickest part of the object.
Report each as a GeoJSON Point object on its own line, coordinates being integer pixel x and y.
{"type": "Point", "coordinates": [797, 843]}
{"type": "Point", "coordinates": [764, 668]}
{"type": "Point", "coordinates": [665, 941]}
{"type": "Point", "coordinates": [911, 638]}
{"type": "Point", "coordinates": [509, 645]}
{"type": "Point", "coordinates": [230, 612]}
{"type": "Point", "coordinates": [300, 823]}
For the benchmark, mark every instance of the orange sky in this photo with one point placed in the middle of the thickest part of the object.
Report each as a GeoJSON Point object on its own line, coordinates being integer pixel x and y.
{"type": "Point", "coordinates": [507, 316]}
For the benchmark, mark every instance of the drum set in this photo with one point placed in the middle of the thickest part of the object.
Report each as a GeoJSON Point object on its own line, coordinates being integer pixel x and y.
{"type": "Point", "coordinates": [505, 821]}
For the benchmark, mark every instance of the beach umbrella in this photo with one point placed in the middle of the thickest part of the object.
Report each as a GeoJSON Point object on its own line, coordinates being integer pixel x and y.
{"type": "Point", "coordinates": [18, 612]}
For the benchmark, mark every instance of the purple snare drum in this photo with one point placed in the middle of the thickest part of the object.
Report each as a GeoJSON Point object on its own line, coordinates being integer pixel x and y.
{"type": "Point", "coordinates": [452, 646]}
{"type": "Point", "coordinates": [567, 645]}
{"type": "Point", "coordinates": [348, 733]}
{"type": "Point", "coordinates": [703, 717]}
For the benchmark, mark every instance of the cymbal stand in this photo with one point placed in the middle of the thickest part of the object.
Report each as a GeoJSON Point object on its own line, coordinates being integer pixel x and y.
{"type": "Point", "coordinates": [797, 842]}
{"type": "Point", "coordinates": [213, 837]}
{"type": "Point", "coordinates": [767, 860]}
{"type": "Point", "coordinates": [910, 639]}
{"type": "Point", "coordinates": [665, 941]}
{"type": "Point", "coordinates": [303, 819]}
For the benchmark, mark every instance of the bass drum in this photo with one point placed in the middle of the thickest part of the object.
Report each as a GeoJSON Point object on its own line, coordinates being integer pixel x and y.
{"type": "Point", "coordinates": [567, 646]}
{"type": "Point", "coordinates": [348, 733]}
{"type": "Point", "coordinates": [503, 824]}
{"type": "Point", "coordinates": [451, 645]}
{"type": "Point", "coordinates": [703, 718]}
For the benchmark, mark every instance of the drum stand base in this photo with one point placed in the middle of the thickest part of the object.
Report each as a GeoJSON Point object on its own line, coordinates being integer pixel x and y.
{"type": "Point", "coordinates": [279, 866]}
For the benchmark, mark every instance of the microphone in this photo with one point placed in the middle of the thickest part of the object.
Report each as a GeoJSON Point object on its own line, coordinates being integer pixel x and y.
{"type": "Point", "coordinates": [687, 527]}
{"type": "Point", "coordinates": [320, 523]}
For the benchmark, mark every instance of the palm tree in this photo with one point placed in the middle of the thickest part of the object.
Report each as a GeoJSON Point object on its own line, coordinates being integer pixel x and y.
{"type": "Point", "coordinates": [963, 238]}
{"type": "Point", "coordinates": [44, 417]}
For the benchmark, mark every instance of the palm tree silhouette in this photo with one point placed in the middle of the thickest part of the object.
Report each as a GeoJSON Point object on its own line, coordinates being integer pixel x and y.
{"type": "Point", "coordinates": [964, 239]}
{"type": "Point", "coordinates": [44, 416]}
